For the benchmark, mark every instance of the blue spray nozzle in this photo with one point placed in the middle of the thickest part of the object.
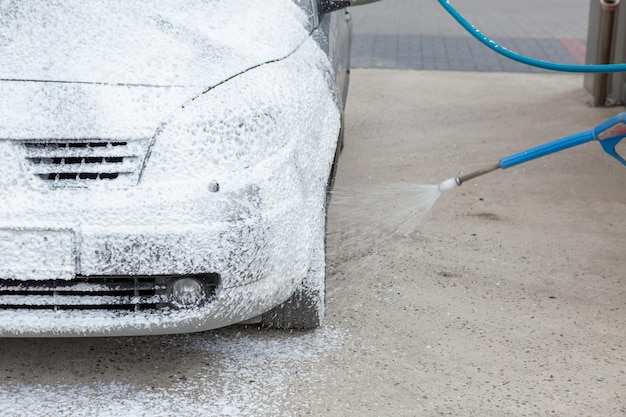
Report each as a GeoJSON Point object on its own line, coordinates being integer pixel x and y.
{"type": "Point", "coordinates": [609, 133]}
{"type": "Point", "coordinates": [546, 149]}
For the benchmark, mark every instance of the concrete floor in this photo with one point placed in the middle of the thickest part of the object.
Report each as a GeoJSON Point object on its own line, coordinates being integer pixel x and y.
{"type": "Point", "coordinates": [506, 298]}
{"type": "Point", "coordinates": [509, 298]}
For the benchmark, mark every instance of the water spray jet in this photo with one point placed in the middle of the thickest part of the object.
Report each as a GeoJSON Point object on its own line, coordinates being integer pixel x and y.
{"type": "Point", "coordinates": [608, 134]}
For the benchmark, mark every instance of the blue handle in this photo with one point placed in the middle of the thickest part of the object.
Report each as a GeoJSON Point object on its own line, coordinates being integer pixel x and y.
{"type": "Point", "coordinates": [610, 133]}
{"type": "Point", "coordinates": [547, 149]}
{"type": "Point", "coordinates": [609, 147]}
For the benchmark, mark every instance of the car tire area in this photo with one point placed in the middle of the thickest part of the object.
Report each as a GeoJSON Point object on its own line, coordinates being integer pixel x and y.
{"type": "Point", "coordinates": [305, 308]}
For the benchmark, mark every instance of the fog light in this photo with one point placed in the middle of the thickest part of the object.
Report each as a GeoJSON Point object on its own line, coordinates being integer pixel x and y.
{"type": "Point", "coordinates": [187, 292]}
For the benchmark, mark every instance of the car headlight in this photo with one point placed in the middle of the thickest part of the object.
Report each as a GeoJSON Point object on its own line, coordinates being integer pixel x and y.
{"type": "Point", "coordinates": [223, 132]}
{"type": "Point", "coordinates": [254, 117]}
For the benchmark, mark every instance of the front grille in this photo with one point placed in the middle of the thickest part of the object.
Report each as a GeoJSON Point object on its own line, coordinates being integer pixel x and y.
{"type": "Point", "coordinates": [128, 293]}
{"type": "Point", "coordinates": [81, 163]}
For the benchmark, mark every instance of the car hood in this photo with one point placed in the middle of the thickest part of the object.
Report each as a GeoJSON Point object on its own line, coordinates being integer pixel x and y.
{"type": "Point", "coordinates": [53, 110]}
{"type": "Point", "coordinates": [88, 68]}
{"type": "Point", "coordinates": [170, 42]}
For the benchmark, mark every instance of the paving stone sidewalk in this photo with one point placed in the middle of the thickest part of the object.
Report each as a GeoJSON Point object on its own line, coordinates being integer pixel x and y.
{"type": "Point", "coordinates": [419, 34]}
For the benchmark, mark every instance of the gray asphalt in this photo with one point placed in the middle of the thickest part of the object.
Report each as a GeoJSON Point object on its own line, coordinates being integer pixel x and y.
{"type": "Point", "coordinates": [420, 34]}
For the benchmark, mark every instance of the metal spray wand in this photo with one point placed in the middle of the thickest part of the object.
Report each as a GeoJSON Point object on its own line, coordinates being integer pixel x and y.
{"type": "Point", "coordinates": [608, 133]}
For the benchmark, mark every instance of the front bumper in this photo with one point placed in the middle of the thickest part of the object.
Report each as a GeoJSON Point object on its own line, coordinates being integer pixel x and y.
{"type": "Point", "coordinates": [238, 235]}
{"type": "Point", "coordinates": [230, 305]}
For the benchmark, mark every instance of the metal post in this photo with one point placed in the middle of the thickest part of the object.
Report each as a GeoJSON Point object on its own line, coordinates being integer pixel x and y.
{"type": "Point", "coordinates": [616, 87]}
{"type": "Point", "coordinates": [600, 46]}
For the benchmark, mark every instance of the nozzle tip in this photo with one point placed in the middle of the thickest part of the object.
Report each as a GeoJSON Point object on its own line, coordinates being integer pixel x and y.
{"type": "Point", "coordinates": [449, 184]}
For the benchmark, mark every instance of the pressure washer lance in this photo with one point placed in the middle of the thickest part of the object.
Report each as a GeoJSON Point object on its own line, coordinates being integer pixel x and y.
{"type": "Point", "coordinates": [608, 133]}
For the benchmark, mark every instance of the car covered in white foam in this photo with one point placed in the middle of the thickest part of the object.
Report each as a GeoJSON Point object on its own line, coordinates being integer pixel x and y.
{"type": "Point", "coordinates": [164, 167]}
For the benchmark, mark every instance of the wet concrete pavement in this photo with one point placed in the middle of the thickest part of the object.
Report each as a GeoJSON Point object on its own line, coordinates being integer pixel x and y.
{"type": "Point", "coordinates": [506, 298]}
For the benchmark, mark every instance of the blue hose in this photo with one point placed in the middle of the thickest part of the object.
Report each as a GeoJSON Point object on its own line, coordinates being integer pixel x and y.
{"type": "Point", "coordinates": [589, 68]}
